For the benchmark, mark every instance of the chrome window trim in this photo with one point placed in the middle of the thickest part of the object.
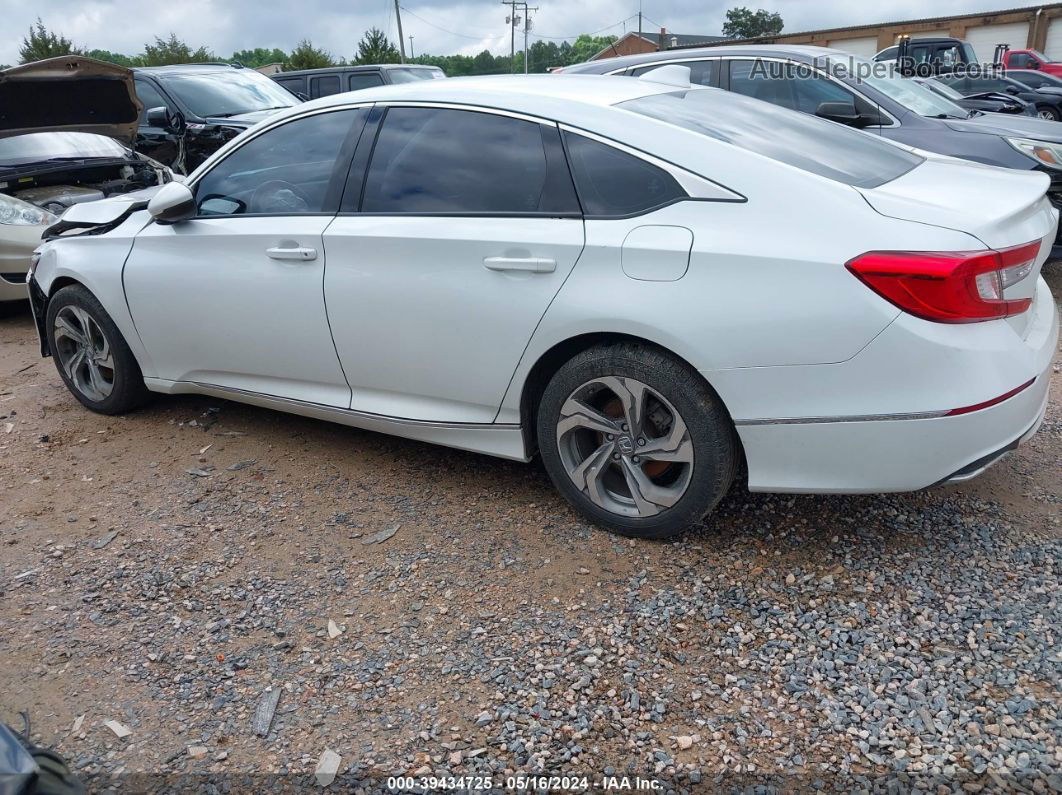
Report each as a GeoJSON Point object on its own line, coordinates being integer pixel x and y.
{"type": "Point", "coordinates": [413, 103]}
{"type": "Point", "coordinates": [668, 62]}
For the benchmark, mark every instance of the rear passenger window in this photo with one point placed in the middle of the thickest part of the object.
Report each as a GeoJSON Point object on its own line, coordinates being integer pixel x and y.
{"type": "Point", "coordinates": [358, 81]}
{"type": "Point", "coordinates": [612, 183]}
{"type": "Point", "coordinates": [441, 161]}
{"type": "Point", "coordinates": [324, 86]}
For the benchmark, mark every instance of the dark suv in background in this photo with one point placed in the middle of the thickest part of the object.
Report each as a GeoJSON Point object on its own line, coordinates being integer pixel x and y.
{"type": "Point", "coordinates": [190, 110]}
{"type": "Point", "coordinates": [314, 83]}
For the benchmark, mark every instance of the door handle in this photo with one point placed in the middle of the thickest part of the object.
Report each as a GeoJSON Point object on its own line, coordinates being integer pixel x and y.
{"type": "Point", "coordinates": [526, 264]}
{"type": "Point", "coordinates": [300, 253]}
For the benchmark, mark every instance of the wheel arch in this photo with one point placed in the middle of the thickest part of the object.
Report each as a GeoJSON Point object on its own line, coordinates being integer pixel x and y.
{"type": "Point", "coordinates": [551, 360]}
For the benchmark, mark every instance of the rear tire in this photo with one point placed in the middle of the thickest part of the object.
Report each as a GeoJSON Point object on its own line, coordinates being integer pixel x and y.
{"type": "Point", "coordinates": [636, 440]}
{"type": "Point", "coordinates": [91, 355]}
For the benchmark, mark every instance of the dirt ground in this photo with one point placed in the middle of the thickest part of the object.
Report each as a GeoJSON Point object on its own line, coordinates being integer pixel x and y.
{"type": "Point", "coordinates": [166, 568]}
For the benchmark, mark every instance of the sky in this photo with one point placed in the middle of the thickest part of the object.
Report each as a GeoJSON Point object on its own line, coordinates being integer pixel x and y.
{"type": "Point", "coordinates": [438, 26]}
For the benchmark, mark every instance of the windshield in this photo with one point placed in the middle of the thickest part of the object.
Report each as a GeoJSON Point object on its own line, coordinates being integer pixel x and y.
{"type": "Point", "coordinates": [228, 92]}
{"type": "Point", "coordinates": [797, 139]}
{"type": "Point", "coordinates": [914, 97]}
{"type": "Point", "coordinates": [943, 90]}
{"type": "Point", "coordinates": [38, 147]}
{"type": "Point", "coordinates": [412, 75]}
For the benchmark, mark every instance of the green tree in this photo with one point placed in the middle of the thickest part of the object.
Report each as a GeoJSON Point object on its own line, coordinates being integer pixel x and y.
{"type": "Point", "coordinates": [173, 50]}
{"type": "Point", "coordinates": [586, 47]}
{"type": "Point", "coordinates": [742, 23]}
{"type": "Point", "coordinates": [306, 56]}
{"type": "Point", "coordinates": [42, 43]}
{"type": "Point", "coordinates": [113, 57]}
{"type": "Point", "coordinates": [260, 56]}
{"type": "Point", "coordinates": [374, 47]}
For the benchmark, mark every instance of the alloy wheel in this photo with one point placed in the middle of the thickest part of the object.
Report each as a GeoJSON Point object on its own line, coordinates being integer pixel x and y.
{"type": "Point", "coordinates": [625, 446]}
{"type": "Point", "coordinates": [84, 353]}
{"type": "Point", "coordinates": [1046, 114]}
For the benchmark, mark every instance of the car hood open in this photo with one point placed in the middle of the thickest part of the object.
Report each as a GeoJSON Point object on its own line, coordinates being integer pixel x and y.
{"type": "Point", "coordinates": [69, 93]}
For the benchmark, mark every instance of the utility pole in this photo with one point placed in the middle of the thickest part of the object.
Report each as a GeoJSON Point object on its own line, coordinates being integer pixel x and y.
{"type": "Point", "coordinates": [527, 27]}
{"type": "Point", "coordinates": [511, 19]}
{"type": "Point", "coordinates": [639, 19]}
{"type": "Point", "coordinates": [401, 38]}
{"type": "Point", "coordinates": [411, 55]}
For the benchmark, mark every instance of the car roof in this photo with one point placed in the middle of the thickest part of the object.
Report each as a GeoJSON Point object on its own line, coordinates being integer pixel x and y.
{"type": "Point", "coordinates": [798, 52]}
{"type": "Point", "coordinates": [188, 68]}
{"type": "Point", "coordinates": [519, 93]}
{"type": "Point", "coordinates": [357, 68]}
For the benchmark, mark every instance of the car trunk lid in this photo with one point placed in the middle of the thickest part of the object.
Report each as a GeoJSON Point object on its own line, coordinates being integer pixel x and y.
{"type": "Point", "coordinates": [69, 93]}
{"type": "Point", "coordinates": [999, 207]}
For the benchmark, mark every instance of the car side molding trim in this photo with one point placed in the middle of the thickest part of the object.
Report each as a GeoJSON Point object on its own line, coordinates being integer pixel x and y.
{"type": "Point", "coordinates": [501, 440]}
{"type": "Point", "coordinates": [918, 415]}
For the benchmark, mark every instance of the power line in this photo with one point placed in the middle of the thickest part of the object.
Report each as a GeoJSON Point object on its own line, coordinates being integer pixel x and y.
{"type": "Point", "coordinates": [440, 27]}
{"type": "Point", "coordinates": [594, 33]}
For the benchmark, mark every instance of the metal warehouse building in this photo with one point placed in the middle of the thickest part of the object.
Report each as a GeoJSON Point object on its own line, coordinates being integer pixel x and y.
{"type": "Point", "coordinates": [1036, 27]}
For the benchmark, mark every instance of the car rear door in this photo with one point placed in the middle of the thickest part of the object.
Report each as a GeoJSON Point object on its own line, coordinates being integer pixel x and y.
{"type": "Point", "coordinates": [233, 298]}
{"type": "Point", "coordinates": [449, 247]}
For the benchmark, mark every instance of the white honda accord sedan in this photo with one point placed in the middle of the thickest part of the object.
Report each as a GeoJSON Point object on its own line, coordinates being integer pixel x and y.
{"type": "Point", "coordinates": [650, 285]}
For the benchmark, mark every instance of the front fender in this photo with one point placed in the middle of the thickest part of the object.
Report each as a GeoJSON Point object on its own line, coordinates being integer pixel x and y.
{"type": "Point", "coordinates": [96, 262]}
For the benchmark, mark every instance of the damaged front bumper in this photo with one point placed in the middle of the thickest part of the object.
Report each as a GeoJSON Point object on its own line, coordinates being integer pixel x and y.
{"type": "Point", "coordinates": [39, 307]}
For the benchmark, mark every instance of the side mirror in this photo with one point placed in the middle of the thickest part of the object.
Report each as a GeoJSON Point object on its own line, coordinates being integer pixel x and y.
{"type": "Point", "coordinates": [1012, 90]}
{"type": "Point", "coordinates": [846, 113]}
{"type": "Point", "coordinates": [159, 117]}
{"type": "Point", "coordinates": [1033, 64]}
{"type": "Point", "coordinates": [164, 119]}
{"type": "Point", "coordinates": [173, 203]}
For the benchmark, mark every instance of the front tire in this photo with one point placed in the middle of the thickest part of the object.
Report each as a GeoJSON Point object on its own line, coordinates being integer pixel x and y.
{"type": "Point", "coordinates": [91, 355]}
{"type": "Point", "coordinates": [636, 440]}
{"type": "Point", "coordinates": [1048, 113]}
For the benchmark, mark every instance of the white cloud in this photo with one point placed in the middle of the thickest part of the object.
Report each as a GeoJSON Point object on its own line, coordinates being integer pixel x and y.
{"type": "Point", "coordinates": [438, 26]}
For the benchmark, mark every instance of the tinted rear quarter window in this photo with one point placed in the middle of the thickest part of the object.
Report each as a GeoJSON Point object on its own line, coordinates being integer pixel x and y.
{"type": "Point", "coordinates": [613, 183]}
{"type": "Point", "coordinates": [809, 143]}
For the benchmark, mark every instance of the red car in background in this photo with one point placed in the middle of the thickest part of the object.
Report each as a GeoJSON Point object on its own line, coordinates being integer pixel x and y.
{"type": "Point", "coordinates": [1031, 59]}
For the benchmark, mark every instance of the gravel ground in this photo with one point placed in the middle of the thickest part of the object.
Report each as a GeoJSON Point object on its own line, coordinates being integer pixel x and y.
{"type": "Point", "coordinates": [244, 590]}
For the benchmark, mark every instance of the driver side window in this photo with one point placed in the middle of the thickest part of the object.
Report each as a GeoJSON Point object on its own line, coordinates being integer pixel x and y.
{"type": "Point", "coordinates": [285, 171]}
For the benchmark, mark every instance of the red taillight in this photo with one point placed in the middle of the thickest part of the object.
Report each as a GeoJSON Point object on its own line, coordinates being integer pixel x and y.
{"type": "Point", "coordinates": [949, 287]}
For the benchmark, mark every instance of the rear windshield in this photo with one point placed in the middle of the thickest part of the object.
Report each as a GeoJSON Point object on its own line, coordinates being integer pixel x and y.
{"type": "Point", "coordinates": [821, 147]}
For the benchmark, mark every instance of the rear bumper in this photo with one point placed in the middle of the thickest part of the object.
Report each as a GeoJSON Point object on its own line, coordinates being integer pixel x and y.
{"type": "Point", "coordinates": [890, 455]}
{"type": "Point", "coordinates": [876, 423]}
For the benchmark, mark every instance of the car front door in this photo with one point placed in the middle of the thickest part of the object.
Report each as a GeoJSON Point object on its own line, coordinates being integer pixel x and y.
{"type": "Point", "coordinates": [159, 143]}
{"type": "Point", "coordinates": [233, 298]}
{"type": "Point", "coordinates": [451, 244]}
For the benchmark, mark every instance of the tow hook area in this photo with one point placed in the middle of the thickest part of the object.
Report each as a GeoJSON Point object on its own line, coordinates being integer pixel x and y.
{"type": "Point", "coordinates": [39, 306]}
